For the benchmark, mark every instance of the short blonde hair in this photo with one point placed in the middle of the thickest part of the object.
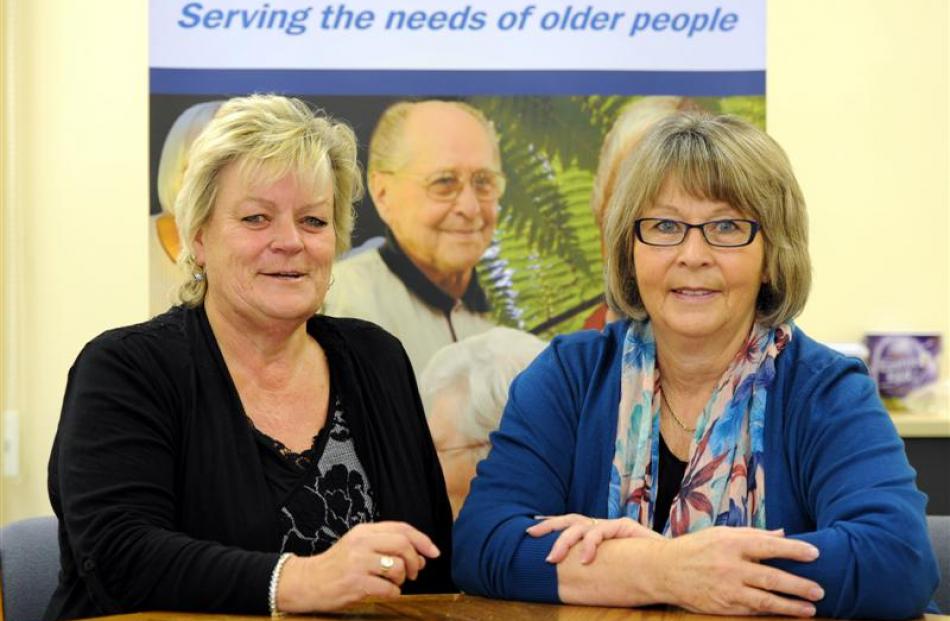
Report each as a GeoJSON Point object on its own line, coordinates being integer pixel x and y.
{"type": "Point", "coordinates": [634, 120]}
{"type": "Point", "coordinates": [268, 136]}
{"type": "Point", "coordinates": [718, 158]}
{"type": "Point", "coordinates": [386, 146]}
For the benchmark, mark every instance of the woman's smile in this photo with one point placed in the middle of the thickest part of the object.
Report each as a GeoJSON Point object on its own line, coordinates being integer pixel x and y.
{"type": "Point", "coordinates": [694, 294]}
{"type": "Point", "coordinates": [285, 275]}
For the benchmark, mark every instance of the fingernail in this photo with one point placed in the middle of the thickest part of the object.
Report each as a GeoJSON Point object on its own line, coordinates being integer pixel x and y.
{"type": "Point", "coordinates": [808, 611]}
{"type": "Point", "coordinates": [813, 552]}
{"type": "Point", "coordinates": [816, 594]}
{"type": "Point", "coordinates": [778, 531]}
{"type": "Point", "coordinates": [547, 558]}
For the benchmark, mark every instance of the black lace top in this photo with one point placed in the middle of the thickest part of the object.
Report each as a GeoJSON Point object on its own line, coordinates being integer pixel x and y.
{"type": "Point", "coordinates": [322, 492]}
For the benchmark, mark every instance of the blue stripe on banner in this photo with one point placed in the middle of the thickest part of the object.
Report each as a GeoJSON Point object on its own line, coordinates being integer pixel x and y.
{"type": "Point", "coordinates": [379, 82]}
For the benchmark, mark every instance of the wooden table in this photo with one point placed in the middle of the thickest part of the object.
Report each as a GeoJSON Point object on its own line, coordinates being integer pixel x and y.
{"type": "Point", "coordinates": [463, 607]}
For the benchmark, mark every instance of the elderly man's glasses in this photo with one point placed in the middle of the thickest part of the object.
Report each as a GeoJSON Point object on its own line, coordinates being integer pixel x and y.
{"type": "Point", "coordinates": [446, 185]}
{"type": "Point", "coordinates": [729, 233]}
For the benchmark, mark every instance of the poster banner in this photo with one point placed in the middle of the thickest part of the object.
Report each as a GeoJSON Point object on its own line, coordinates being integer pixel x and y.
{"type": "Point", "coordinates": [419, 47]}
{"type": "Point", "coordinates": [551, 77]}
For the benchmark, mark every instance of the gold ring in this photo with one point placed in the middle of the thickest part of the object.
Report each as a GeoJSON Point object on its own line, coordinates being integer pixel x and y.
{"type": "Point", "coordinates": [386, 563]}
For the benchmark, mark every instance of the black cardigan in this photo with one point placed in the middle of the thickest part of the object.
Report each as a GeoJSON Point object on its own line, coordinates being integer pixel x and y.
{"type": "Point", "coordinates": [157, 481]}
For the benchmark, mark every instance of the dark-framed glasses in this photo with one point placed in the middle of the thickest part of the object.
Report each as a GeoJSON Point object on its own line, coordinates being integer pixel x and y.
{"type": "Point", "coordinates": [726, 233]}
{"type": "Point", "coordinates": [446, 185]}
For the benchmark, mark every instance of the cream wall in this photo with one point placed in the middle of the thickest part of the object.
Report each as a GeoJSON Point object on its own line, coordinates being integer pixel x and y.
{"type": "Point", "coordinates": [857, 93]}
{"type": "Point", "coordinates": [75, 93]}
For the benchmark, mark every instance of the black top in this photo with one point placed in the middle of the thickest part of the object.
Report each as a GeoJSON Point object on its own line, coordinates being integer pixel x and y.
{"type": "Point", "coordinates": [670, 477]}
{"type": "Point", "coordinates": [322, 492]}
{"type": "Point", "coordinates": [158, 484]}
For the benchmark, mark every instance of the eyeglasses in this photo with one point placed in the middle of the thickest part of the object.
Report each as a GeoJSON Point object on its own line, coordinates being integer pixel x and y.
{"type": "Point", "coordinates": [446, 185]}
{"type": "Point", "coordinates": [729, 233]}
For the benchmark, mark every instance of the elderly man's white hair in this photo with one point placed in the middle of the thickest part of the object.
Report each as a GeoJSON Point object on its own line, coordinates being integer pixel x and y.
{"type": "Point", "coordinates": [478, 371]}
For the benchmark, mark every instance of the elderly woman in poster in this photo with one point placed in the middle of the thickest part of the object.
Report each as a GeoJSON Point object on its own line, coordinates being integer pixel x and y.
{"type": "Point", "coordinates": [464, 389]}
{"type": "Point", "coordinates": [703, 451]}
{"type": "Point", "coordinates": [164, 244]}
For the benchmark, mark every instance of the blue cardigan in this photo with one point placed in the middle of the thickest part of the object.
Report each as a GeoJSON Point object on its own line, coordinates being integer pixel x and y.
{"type": "Point", "coordinates": [835, 475]}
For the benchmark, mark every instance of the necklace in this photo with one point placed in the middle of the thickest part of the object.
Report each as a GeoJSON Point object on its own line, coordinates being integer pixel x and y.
{"type": "Point", "coordinates": [676, 418]}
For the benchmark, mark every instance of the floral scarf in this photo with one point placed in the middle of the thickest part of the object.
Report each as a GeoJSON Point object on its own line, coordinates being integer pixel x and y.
{"type": "Point", "coordinates": [724, 482]}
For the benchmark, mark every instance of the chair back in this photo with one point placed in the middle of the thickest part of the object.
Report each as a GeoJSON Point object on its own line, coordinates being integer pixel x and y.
{"type": "Point", "coordinates": [939, 527]}
{"type": "Point", "coordinates": [29, 567]}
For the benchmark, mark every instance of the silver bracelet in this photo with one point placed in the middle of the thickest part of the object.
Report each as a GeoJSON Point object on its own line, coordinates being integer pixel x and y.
{"type": "Point", "coordinates": [274, 579]}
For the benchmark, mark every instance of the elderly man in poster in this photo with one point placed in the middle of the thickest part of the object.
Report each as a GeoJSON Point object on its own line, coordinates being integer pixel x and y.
{"type": "Point", "coordinates": [435, 176]}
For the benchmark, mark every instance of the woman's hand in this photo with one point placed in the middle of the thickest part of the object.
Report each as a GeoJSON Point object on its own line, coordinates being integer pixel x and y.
{"type": "Point", "coordinates": [370, 560]}
{"type": "Point", "coordinates": [590, 532]}
{"type": "Point", "coordinates": [718, 570]}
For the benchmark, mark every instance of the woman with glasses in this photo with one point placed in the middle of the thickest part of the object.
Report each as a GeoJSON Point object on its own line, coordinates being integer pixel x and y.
{"type": "Point", "coordinates": [434, 174]}
{"type": "Point", "coordinates": [703, 452]}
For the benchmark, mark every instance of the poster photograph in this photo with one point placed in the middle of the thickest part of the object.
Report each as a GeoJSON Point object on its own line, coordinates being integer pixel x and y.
{"type": "Point", "coordinates": [511, 120]}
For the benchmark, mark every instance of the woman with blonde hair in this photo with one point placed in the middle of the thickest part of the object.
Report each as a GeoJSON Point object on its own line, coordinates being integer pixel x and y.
{"type": "Point", "coordinates": [239, 453]}
{"type": "Point", "coordinates": [702, 451]}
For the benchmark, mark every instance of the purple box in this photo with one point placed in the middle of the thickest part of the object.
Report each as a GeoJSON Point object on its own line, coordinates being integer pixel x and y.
{"type": "Point", "coordinates": [903, 362]}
